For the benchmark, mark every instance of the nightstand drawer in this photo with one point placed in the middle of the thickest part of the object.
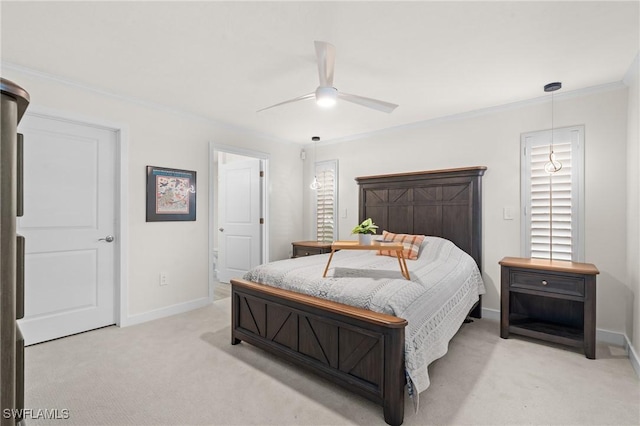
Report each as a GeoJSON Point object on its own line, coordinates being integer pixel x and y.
{"type": "Point", "coordinates": [544, 281]}
{"type": "Point", "coordinates": [309, 248]}
{"type": "Point", "coordinates": [306, 251]}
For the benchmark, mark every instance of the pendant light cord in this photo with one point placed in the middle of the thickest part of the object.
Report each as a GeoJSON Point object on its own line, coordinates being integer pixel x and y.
{"type": "Point", "coordinates": [550, 216]}
{"type": "Point", "coordinates": [551, 186]}
{"type": "Point", "coordinates": [551, 146]}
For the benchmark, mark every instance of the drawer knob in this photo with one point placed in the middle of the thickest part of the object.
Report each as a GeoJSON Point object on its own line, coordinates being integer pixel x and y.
{"type": "Point", "coordinates": [544, 282]}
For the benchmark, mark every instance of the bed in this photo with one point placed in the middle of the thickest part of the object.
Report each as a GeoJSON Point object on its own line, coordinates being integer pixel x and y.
{"type": "Point", "coordinates": [361, 349]}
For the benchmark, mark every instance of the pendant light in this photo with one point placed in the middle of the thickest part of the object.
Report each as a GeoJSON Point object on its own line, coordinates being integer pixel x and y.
{"type": "Point", "coordinates": [553, 165]}
{"type": "Point", "coordinates": [315, 185]}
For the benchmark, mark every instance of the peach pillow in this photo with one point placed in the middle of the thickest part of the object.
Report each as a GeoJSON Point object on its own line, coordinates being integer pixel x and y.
{"type": "Point", "coordinates": [411, 244]}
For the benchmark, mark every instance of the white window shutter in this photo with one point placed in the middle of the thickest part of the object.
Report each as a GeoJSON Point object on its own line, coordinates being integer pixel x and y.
{"type": "Point", "coordinates": [326, 200]}
{"type": "Point", "coordinates": [543, 184]}
{"type": "Point", "coordinates": [552, 203]}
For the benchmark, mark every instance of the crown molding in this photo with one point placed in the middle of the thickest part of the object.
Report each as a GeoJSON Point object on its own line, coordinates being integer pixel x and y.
{"type": "Point", "coordinates": [608, 87]}
{"type": "Point", "coordinates": [403, 127]}
{"type": "Point", "coordinates": [42, 75]}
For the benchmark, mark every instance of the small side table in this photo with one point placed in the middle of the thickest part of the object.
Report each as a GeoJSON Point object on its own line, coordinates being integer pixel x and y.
{"type": "Point", "coordinates": [354, 245]}
{"type": "Point", "coordinates": [309, 248]}
{"type": "Point", "coordinates": [550, 300]}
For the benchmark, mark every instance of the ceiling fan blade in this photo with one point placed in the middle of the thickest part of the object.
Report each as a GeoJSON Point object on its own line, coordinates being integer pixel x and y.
{"type": "Point", "coordinates": [326, 54]}
{"type": "Point", "coordinates": [368, 102]}
{"type": "Point", "coordinates": [299, 98]}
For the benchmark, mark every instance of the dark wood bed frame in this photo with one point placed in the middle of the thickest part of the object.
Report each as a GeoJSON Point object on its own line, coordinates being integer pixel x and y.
{"type": "Point", "coordinates": [361, 350]}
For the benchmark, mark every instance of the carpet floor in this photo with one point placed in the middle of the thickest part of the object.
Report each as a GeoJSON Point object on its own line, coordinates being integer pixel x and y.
{"type": "Point", "coordinates": [182, 370]}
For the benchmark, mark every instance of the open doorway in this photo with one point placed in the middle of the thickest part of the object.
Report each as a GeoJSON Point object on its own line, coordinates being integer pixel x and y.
{"type": "Point", "coordinates": [238, 237]}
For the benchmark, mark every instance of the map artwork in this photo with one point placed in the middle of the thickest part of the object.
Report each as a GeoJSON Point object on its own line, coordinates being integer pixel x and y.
{"type": "Point", "coordinates": [172, 193]}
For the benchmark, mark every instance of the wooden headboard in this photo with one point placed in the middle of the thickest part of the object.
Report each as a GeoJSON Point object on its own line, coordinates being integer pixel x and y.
{"type": "Point", "coordinates": [443, 203]}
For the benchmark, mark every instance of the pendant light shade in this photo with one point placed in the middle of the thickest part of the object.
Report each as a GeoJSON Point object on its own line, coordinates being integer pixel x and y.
{"type": "Point", "coordinates": [315, 184]}
{"type": "Point", "coordinates": [552, 165]}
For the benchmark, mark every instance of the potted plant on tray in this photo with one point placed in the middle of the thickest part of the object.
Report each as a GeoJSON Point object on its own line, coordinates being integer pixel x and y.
{"type": "Point", "coordinates": [365, 230]}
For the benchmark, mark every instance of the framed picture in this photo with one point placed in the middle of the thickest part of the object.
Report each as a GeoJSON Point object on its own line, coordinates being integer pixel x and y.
{"type": "Point", "coordinates": [171, 194]}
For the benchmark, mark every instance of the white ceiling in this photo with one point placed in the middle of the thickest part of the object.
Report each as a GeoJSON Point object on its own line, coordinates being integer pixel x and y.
{"type": "Point", "coordinates": [225, 60]}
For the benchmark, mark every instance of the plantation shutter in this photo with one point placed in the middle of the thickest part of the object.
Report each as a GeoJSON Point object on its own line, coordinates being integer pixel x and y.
{"type": "Point", "coordinates": [326, 201]}
{"type": "Point", "coordinates": [551, 195]}
{"type": "Point", "coordinates": [552, 201]}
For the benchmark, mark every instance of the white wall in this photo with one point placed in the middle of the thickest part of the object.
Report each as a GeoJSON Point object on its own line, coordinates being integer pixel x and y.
{"type": "Point", "coordinates": [492, 139]}
{"type": "Point", "coordinates": [163, 138]}
{"type": "Point", "coordinates": [633, 206]}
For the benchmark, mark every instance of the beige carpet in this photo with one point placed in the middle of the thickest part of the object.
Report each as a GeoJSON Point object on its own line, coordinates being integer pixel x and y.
{"type": "Point", "coordinates": [183, 370]}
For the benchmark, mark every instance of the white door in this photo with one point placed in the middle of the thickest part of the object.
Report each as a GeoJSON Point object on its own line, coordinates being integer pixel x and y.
{"type": "Point", "coordinates": [69, 227]}
{"type": "Point", "coordinates": [239, 245]}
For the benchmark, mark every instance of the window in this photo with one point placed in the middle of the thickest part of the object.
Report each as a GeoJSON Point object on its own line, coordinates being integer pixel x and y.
{"type": "Point", "coordinates": [327, 201]}
{"type": "Point", "coordinates": [552, 203]}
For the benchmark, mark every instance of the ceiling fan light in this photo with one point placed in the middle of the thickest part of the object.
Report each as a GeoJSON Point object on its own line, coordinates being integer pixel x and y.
{"type": "Point", "coordinates": [326, 96]}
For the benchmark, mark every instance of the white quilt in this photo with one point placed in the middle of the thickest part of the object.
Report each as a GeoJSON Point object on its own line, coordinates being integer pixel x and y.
{"type": "Point", "coordinates": [445, 283]}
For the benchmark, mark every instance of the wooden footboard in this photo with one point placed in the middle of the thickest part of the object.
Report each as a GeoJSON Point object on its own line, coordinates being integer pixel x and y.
{"type": "Point", "coordinates": [360, 350]}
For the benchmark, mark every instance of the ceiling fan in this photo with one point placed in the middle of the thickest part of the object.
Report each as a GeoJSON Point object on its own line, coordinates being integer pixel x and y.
{"type": "Point", "coordinates": [326, 95]}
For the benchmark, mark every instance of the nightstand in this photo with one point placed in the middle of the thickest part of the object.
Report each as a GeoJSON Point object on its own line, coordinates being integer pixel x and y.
{"type": "Point", "coordinates": [550, 300]}
{"type": "Point", "coordinates": [309, 248]}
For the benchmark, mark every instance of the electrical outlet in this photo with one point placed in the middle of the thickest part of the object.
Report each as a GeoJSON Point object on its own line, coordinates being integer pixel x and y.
{"type": "Point", "coordinates": [164, 279]}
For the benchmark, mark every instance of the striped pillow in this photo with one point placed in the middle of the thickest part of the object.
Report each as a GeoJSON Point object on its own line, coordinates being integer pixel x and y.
{"type": "Point", "coordinates": [411, 244]}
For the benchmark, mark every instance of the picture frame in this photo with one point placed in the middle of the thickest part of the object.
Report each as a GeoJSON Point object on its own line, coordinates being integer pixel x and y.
{"type": "Point", "coordinates": [171, 194]}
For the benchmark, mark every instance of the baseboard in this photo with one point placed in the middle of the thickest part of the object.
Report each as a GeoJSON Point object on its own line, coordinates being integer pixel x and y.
{"type": "Point", "coordinates": [610, 337]}
{"type": "Point", "coordinates": [633, 356]}
{"type": "Point", "coordinates": [492, 314]}
{"type": "Point", "coordinates": [168, 311]}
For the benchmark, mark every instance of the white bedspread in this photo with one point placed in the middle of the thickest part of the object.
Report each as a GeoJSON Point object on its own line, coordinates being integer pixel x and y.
{"type": "Point", "coordinates": [445, 283]}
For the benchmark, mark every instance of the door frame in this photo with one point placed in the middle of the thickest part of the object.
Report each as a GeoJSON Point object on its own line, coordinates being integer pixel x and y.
{"type": "Point", "coordinates": [214, 148]}
{"type": "Point", "coordinates": [121, 185]}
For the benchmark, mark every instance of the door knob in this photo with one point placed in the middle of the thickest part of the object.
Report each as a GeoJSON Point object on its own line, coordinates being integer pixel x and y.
{"type": "Point", "coordinates": [221, 229]}
{"type": "Point", "coordinates": [108, 238]}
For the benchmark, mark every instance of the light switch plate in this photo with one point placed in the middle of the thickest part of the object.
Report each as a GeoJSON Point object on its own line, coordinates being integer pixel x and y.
{"type": "Point", "coordinates": [507, 213]}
